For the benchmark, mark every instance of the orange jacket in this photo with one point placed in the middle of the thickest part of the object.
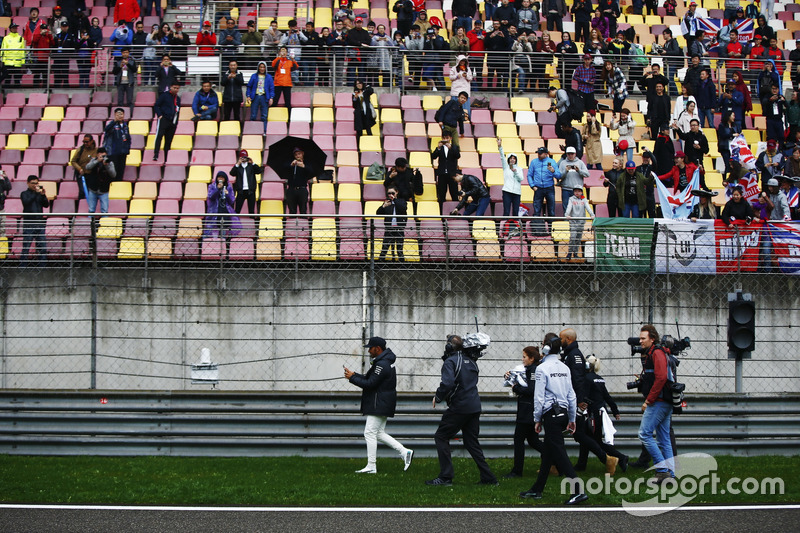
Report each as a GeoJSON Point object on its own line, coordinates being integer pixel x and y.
{"type": "Point", "coordinates": [283, 67]}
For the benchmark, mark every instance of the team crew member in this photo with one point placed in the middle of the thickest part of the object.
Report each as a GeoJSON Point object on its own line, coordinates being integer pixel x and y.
{"type": "Point", "coordinates": [599, 398]}
{"type": "Point", "coordinates": [525, 429]}
{"type": "Point", "coordinates": [554, 409]}
{"type": "Point", "coordinates": [378, 402]}
{"type": "Point", "coordinates": [459, 388]}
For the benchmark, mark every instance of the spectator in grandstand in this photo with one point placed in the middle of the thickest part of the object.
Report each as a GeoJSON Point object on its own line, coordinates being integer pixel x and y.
{"type": "Point", "coordinates": [506, 14]}
{"type": "Point", "coordinates": [774, 109]}
{"type": "Point", "coordinates": [149, 57]}
{"type": "Point", "coordinates": [776, 201]}
{"type": "Point", "coordinates": [582, 16]}
{"type": "Point", "coordinates": [167, 74]}
{"type": "Point", "coordinates": [572, 138]}
{"type": "Point", "coordinates": [706, 97]}
{"type": "Point", "coordinates": [41, 41]}
{"type": "Point", "coordinates": [725, 37]}
{"type": "Point", "coordinates": [66, 45]}
{"type": "Point", "coordinates": [591, 140]}
{"type": "Point", "coordinates": [296, 184]}
{"type": "Point", "coordinates": [758, 48]}
{"type": "Point", "coordinates": [573, 171]}
{"type": "Point", "coordinates": [80, 159]}
{"type": "Point", "coordinates": [124, 72]}
{"type": "Point", "coordinates": [283, 66]}
{"type": "Point", "coordinates": [219, 201]}
{"type": "Point", "coordinates": [497, 43]}
{"type": "Point", "coordinates": [422, 20]}
{"type": "Point", "coordinates": [777, 54]}
{"type": "Point", "coordinates": [205, 103]}
{"type": "Point", "coordinates": [260, 93]}
{"type": "Point", "coordinates": [577, 207]}
{"type": "Point", "coordinates": [689, 22]}
{"type": "Point", "coordinates": [726, 131]}
{"type": "Point", "coordinates": [100, 172]}
{"type": "Point", "coordinates": [448, 155]}
{"type": "Point", "coordinates": [229, 41]}
{"type": "Point", "coordinates": [652, 78]}
{"type": "Point", "coordinates": [167, 107]}
{"type": "Point", "coordinates": [793, 119]}
{"type": "Point", "coordinates": [382, 56]}
{"type": "Point", "coordinates": [594, 44]}
{"type": "Point", "coordinates": [600, 24]}
{"type": "Point", "coordinates": [397, 53]}
{"type": "Point", "coordinates": [179, 43]}
{"type": "Point", "coordinates": [512, 179]}
{"type": "Point", "coordinates": [54, 22]}
{"type": "Point", "coordinates": [415, 42]}
{"type": "Point", "coordinates": [293, 41]}
{"type": "Point", "coordinates": [451, 115]}
{"type": "Point", "coordinates": [232, 83]}
{"type": "Point", "coordinates": [664, 150]}
{"type": "Point", "coordinates": [544, 49]}
{"type": "Point", "coordinates": [682, 173]}
{"type": "Point", "coordinates": [619, 47]}
{"type": "Point", "coordinates": [463, 13]}
{"type": "Point", "coordinates": [95, 31]}
{"type": "Point", "coordinates": [567, 59]}
{"type": "Point", "coordinates": [554, 10]}
{"type": "Point", "coordinates": [631, 193]}
{"type": "Point", "coordinates": [741, 86]}
{"type": "Point", "coordinates": [528, 17]}
{"type": "Point", "coordinates": [358, 41]}
{"type": "Point", "coordinates": [461, 77]}
{"type": "Point", "coordinates": [789, 186]}
{"type": "Point", "coordinates": [616, 85]}
{"type": "Point", "coordinates": [738, 209]}
{"type": "Point", "coordinates": [695, 143]}
{"type": "Point", "coordinates": [206, 41]}
{"type": "Point", "coordinates": [405, 15]}
{"type": "Point", "coordinates": [626, 126]}
{"type": "Point", "coordinates": [700, 50]}
{"type": "Point", "coordinates": [732, 101]}
{"type": "Point", "coordinates": [610, 10]}
{"type": "Point", "coordinates": [522, 59]}
{"type": "Point", "coordinates": [435, 58]}
{"type": "Point", "coordinates": [734, 52]}
{"type": "Point", "coordinates": [117, 141]}
{"type": "Point", "coordinates": [400, 177]}
{"type": "Point", "coordinates": [683, 122]}
{"type": "Point", "coordinates": [542, 175]}
{"type": "Point", "coordinates": [139, 41]}
{"type": "Point", "coordinates": [523, 388]}
{"type": "Point", "coordinates": [126, 11]}
{"type": "Point", "coordinates": [459, 43]}
{"type": "Point", "coordinates": [345, 11]}
{"type": "Point", "coordinates": [767, 78]}
{"type": "Point", "coordinates": [251, 45]}
{"type": "Point", "coordinates": [122, 37]}
{"type": "Point", "coordinates": [770, 162]}
{"type": "Point", "coordinates": [658, 110]}
{"type": "Point", "coordinates": [394, 210]}
{"type": "Point", "coordinates": [246, 185]}
{"type": "Point", "coordinates": [33, 26]}
{"type": "Point", "coordinates": [647, 169]}
{"type": "Point", "coordinates": [363, 113]}
{"type": "Point", "coordinates": [692, 76]}
{"type": "Point", "coordinates": [272, 38]}
{"type": "Point", "coordinates": [473, 197]}
{"type": "Point", "coordinates": [705, 208]}
{"type": "Point", "coordinates": [585, 76]}
{"type": "Point", "coordinates": [34, 200]}
{"type": "Point", "coordinates": [610, 179]}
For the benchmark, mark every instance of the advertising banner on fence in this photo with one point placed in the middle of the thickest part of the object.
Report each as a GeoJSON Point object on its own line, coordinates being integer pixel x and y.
{"type": "Point", "coordinates": [738, 248]}
{"type": "Point", "coordinates": [785, 246]}
{"type": "Point", "coordinates": [686, 247]}
{"type": "Point", "coordinates": [623, 245]}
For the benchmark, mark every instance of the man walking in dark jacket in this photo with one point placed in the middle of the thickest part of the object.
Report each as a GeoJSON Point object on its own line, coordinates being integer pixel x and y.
{"type": "Point", "coordinates": [451, 116]}
{"type": "Point", "coordinates": [167, 107]}
{"type": "Point", "coordinates": [117, 141]}
{"type": "Point", "coordinates": [448, 155]}
{"type": "Point", "coordinates": [459, 388]}
{"type": "Point", "coordinates": [394, 210]}
{"type": "Point", "coordinates": [378, 402]}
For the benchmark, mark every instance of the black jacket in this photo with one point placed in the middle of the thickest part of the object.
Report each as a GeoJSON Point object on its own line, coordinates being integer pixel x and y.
{"type": "Point", "coordinates": [405, 10]}
{"type": "Point", "coordinates": [403, 182]}
{"type": "Point", "coordinates": [664, 150]}
{"type": "Point", "coordinates": [472, 187]}
{"type": "Point", "coordinates": [167, 107]}
{"type": "Point", "coordinates": [250, 172]}
{"type": "Point", "coordinates": [694, 154]}
{"type": "Point", "coordinates": [573, 358]}
{"type": "Point", "coordinates": [33, 202]}
{"type": "Point", "coordinates": [447, 165]}
{"type": "Point", "coordinates": [525, 396]}
{"type": "Point", "coordinates": [598, 394]}
{"type": "Point", "coordinates": [464, 8]}
{"type": "Point", "coordinates": [167, 78]}
{"type": "Point", "coordinates": [459, 385]}
{"type": "Point", "coordinates": [379, 397]}
{"type": "Point", "coordinates": [361, 120]}
{"type": "Point", "coordinates": [399, 210]}
{"type": "Point", "coordinates": [451, 114]}
{"type": "Point", "coordinates": [232, 91]}
{"type": "Point", "coordinates": [5, 188]}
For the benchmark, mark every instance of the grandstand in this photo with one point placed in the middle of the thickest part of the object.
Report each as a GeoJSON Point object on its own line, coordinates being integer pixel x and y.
{"type": "Point", "coordinates": [158, 206]}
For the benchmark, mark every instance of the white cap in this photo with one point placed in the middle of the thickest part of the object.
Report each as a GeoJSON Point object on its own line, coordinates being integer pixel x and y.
{"type": "Point", "coordinates": [571, 150]}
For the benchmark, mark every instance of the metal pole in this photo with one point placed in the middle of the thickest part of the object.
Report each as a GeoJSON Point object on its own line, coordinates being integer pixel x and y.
{"type": "Point", "coordinates": [652, 292]}
{"type": "Point", "coordinates": [371, 296]}
{"type": "Point", "coordinates": [739, 369]}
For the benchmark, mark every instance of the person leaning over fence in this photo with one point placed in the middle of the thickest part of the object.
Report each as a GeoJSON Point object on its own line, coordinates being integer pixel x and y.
{"type": "Point", "coordinates": [577, 208]}
{"type": "Point", "coordinates": [378, 402]}
{"type": "Point", "coordinates": [523, 387]}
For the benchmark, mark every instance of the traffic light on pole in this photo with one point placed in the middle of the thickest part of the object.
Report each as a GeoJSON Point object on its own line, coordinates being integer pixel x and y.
{"type": "Point", "coordinates": [741, 323]}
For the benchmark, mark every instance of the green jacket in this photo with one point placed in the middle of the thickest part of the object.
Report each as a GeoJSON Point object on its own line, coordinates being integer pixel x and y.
{"type": "Point", "coordinates": [793, 113]}
{"type": "Point", "coordinates": [252, 43]}
{"type": "Point", "coordinates": [641, 195]}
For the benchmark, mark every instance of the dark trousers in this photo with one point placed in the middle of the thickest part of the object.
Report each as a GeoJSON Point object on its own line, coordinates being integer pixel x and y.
{"type": "Point", "coordinates": [297, 200]}
{"type": "Point", "coordinates": [651, 205]}
{"type": "Point", "coordinates": [250, 196]}
{"type": "Point", "coordinates": [554, 453]}
{"type": "Point", "coordinates": [524, 432]}
{"type": "Point", "coordinates": [443, 185]}
{"type": "Point", "coordinates": [469, 425]}
{"type": "Point", "coordinates": [583, 436]}
{"type": "Point", "coordinates": [234, 108]}
{"type": "Point", "coordinates": [613, 207]}
{"type": "Point", "coordinates": [581, 31]}
{"type": "Point", "coordinates": [597, 433]}
{"type": "Point", "coordinates": [554, 22]}
{"type": "Point", "coordinates": [287, 96]}
{"type": "Point", "coordinates": [120, 162]}
{"type": "Point", "coordinates": [125, 95]}
{"type": "Point", "coordinates": [33, 231]}
{"type": "Point", "coordinates": [775, 131]}
{"type": "Point", "coordinates": [393, 238]}
{"type": "Point", "coordinates": [166, 130]}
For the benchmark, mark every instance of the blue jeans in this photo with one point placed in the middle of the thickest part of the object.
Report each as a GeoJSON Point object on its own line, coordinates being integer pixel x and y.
{"type": "Point", "coordinates": [522, 79]}
{"type": "Point", "coordinates": [566, 194]}
{"type": "Point", "coordinates": [657, 418]}
{"type": "Point", "coordinates": [478, 208]}
{"type": "Point", "coordinates": [149, 9]}
{"type": "Point", "coordinates": [207, 115]}
{"type": "Point", "coordinates": [510, 204]}
{"type": "Point", "coordinates": [91, 201]}
{"type": "Point", "coordinates": [706, 115]}
{"type": "Point", "coordinates": [260, 102]}
{"type": "Point", "coordinates": [630, 209]}
{"type": "Point", "coordinates": [464, 22]}
{"type": "Point", "coordinates": [538, 197]}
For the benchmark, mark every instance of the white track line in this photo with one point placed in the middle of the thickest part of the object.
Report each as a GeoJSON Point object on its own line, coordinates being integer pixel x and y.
{"type": "Point", "coordinates": [394, 509]}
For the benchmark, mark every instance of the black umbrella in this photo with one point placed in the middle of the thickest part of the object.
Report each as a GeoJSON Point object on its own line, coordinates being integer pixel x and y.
{"type": "Point", "coordinates": [281, 154]}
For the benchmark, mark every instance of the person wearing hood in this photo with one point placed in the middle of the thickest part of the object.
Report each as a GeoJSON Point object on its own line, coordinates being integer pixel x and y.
{"type": "Point", "coordinates": [512, 181]}
{"type": "Point", "coordinates": [260, 93]}
{"type": "Point", "coordinates": [220, 200]}
{"type": "Point", "coordinates": [378, 402]}
{"type": "Point", "coordinates": [766, 79]}
{"type": "Point", "coordinates": [573, 172]}
{"type": "Point", "coordinates": [461, 77]}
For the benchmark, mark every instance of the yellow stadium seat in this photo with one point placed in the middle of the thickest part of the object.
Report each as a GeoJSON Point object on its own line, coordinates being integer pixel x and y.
{"type": "Point", "coordinates": [134, 159]}
{"type": "Point", "coordinates": [520, 103]}
{"type": "Point", "coordinates": [369, 143]}
{"type": "Point", "coordinates": [199, 174]}
{"type": "Point", "coordinates": [322, 114]}
{"type": "Point", "coordinates": [145, 190]}
{"type": "Point", "coordinates": [110, 228]}
{"type": "Point", "coordinates": [322, 192]}
{"type": "Point", "coordinates": [53, 113]}
{"type": "Point", "coordinates": [527, 194]}
{"type": "Point", "coordinates": [431, 101]}
{"type": "Point", "coordinates": [206, 127]}
{"type": "Point", "coordinates": [540, 104]}
{"type": "Point", "coordinates": [271, 207]}
{"type": "Point", "coordinates": [652, 20]}
{"type": "Point", "coordinates": [487, 145]}
{"type": "Point", "coordinates": [416, 129]}
{"type": "Point", "coordinates": [270, 228]}
{"type": "Point", "coordinates": [195, 190]}
{"type": "Point", "coordinates": [120, 190]}
{"type": "Point", "coordinates": [598, 195]}
{"type": "Point", "coordinates": [131, 248]}
{"type": "Point", "coordinates": [141, 205]}
{"type": "Point", "coordinates": [180, 142]}
{"type": "Point", "coordinates": [159, 248]}
{"type": "Point", "coordinates": [17, 141]}
{"type": "Point", "coordinates": [487, 250]}
{"type": "Point", "coordinates": [494, 176]}
{"type": "Point", "coordinates": [230, 127]}
{"type": "Point", "coordinates": [268, 249]}
{"type": "Point", "coordinates": [419, 159]}
{"type": "Point", "coordinates": [506, 130]}
{"type": "Point", "coordinates": [347, 158]}
{"type": "Point", "coordinates": [139, 127]}
{"type": "Point", "coordinates": [484, 230]}
{"type": "Point", "coordinates": [465, 144]}
{"type": "Point", "coordinates": [752, 136]}
{"type": "Point", "coordinates": [512, 145]}
{"type": "Point", "coordinates": [278, 114]}
{"type": "Point", "coordinates": [428, 208]}
{"type": "Point", "coordinates": [391, 115]}
{"type": "Point", "coordinates": [428, 195]}
{"type": "Point", "coordinates": [349, 192]}
{"type": "Point", "coordinates": [323, 239]}
{"type": "Point", "coordinates": [3, 247]}
{"type": "Point", "coordinates": [253, 144]}
{"type": "Point", "coordinates": [714, 180]}
{"type": "Point", "coordinates": [190, 227]}
{"type": "Point", "coordinates": [560, 230]}
{"type": "Point", "coordinates": [469, 160]}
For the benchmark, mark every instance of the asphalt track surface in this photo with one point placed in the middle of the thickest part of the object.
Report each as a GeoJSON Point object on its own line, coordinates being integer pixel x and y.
{"type": "Point", "coordinates": [58, 519]}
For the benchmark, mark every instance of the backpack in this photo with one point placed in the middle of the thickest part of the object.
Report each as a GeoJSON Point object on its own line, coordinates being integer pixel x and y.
{"type": "Point", "coordinates": [376, 172]}
{"type": "Point", "coordinates": [639, 57]}
{"type": "Point", "coordinates": [419, 187]}
{"type": "Point", "coordinates": [576, 104]}
{"type": "Point", "coordinates": [676, 387]}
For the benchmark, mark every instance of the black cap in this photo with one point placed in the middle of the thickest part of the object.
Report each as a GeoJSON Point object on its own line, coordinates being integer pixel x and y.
{"type": "Point", "coordinates": [702, 193]}
{"type": "Point", "coordinates": [376, 341]}
{"type": "Point", "coordinates": [541, 150]}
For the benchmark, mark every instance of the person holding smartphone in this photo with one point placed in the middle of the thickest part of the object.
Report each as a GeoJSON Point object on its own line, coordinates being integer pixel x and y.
{"type": "Point", "coordinates": [34, 200]}
{"type": "Point", "coordinates": [394, 210]}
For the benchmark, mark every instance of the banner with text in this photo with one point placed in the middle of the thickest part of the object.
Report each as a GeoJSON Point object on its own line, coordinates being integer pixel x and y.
{"type": "Point", "coordinates": [737, 248]}
{"type": "Point", "coordinates": [785, 239]}
{"type": "Point", "coordinates": [623, 245]}
{"type": "Point", "coordinates": [686, 247]}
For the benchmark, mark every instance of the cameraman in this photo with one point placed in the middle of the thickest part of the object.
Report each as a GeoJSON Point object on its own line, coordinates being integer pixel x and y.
{"type": "Point", "coordinates": [473, 196]}
{"type": "Point", "coordinates": [657, 407]}
{"type": "Point", "coordinates": [459, 388]}
{"type": "Point", "coordinates": [100, 172]}
{"type": "Point", "coordinates": [246, 185]}
{"type": "Point", "coordinates": [394, 225]}
{"type": "Point", "coordinates": [400, 177]}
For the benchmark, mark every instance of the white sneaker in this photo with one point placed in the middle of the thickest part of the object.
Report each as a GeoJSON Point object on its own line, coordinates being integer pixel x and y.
{"type": "Point", "coordinates": [367, 470]}
{"type": "Point", "coordinates": [407, 458]}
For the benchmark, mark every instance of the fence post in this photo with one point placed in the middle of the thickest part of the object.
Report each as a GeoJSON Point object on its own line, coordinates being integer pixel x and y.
{"type": "Point", "coordinates": [371, 281]}
{"type": "Point", "coordinates": [651, 303]}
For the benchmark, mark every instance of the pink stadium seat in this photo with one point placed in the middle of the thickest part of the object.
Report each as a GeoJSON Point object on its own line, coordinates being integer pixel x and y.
{"type": "Point", "coordinates": [187, 248]}
{"type": "Point", "coordinates": [410, 101]}
{"type": "Point", "coordinates": [41, 140]}
{"type": "Point", "coordinates": [212, 249]}
{"type": "Point", "coordinates": [166, 206]}
{"type": "Point", "coordinates": [373, 191]}
{"type": "Point", "coordinates": [346, 142]}
{"type": "Point", "coordinates": [343, 100]}
{"type": "Point", "coordinates": [164, 226]}
{"type": "Point", "coordinates": [145, 98]}
{"type": "Point", "coordinates": [322, 128]}
{"type": "Point", "coordinates": [98, 113]}
{"type": "Point", "coordinates": [52, 173]}
{"type": "Point", "coordinates": [170, 190]}
{"type": "Point", "coordinates": [9, 113]}
{"type": "Point", "coordinates": [73, 127]}
{"type": "Point", "coordinates": [135, 227]}
{"type": "Point", "coordinates": [413, 115]}
{"type": "Point", "coordinates": [498, 103]}
{"type": "Point", "coordinates": [150, 173]}
{"type": "Point", "coordinates": [205, 142]}
{"type": "Point", "coordinates": [388, 100]}
{"type": "Point", "coordinates": [272, 191]}
{"type": "Point", "coordinates": [75, 113]}
{"type": "Point", "coordinates": [367, 158]}
{"type": "Point", "coordinates": [224, 158]}
{"type": "Point", "coordinates": [64, 141]}
{"type": "Point", "coordinates": [32, 156]}
{"type": "Point", "coordinates": [95, 127]}
{"type": "Point", "coordinates": [37, 100]}
{"type": "Point", "coordinates": [142, 113]}
{"type": "Point", "coordinates": [228, 142]}
{"type": "Point", "coordinates": [202, 157]}
{"type": "Point", "coordinates": [58, 156]}
{"type": "Point", "coordinates": [394, 143]}
{"type": "Point", "coordinates": [418, 144]}
{"type": "Point", "coordinates": [350, 207]}
{"type": "Point", "coordinates": [390, 157]}
{"type": "Point", "coordinates": [80, 100]}
{"type": "Point", "coordinates": [58, 100]}
{"type": "Point", "coordinates": [193, 207]}
{"type": "Point", "coordinates": [68, 190]}
{"type": "Point", "coordinates": [299, 129]}
{"type": "Point", "coordinates": [323, 207]}
{"type": "Point", "coordinates": [62, 205]}
{"type": "Point", "coordinates": [100, 99]}
{"type": "Point", "coordinates": [241, 248]}
{"type": "Point", "coordinates": [25, 126]}
{"type": "Point", "coordinates": [481, 116]}
{"type": "Point", "coordinates": [15, 100]}
{"type": "Point", "coordinates": [392, 128]}
{"type": "Point", "coordinates": [303, 99]}
{"type": "Point", "coordinates": [348, 175]}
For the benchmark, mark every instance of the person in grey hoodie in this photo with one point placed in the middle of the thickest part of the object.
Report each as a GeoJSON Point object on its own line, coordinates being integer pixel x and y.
{"type": "Point", "coordinates": [573, 171]}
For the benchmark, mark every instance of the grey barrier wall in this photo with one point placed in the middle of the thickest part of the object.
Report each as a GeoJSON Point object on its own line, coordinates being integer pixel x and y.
{"type": "Point", "coordinates": [291, 327]}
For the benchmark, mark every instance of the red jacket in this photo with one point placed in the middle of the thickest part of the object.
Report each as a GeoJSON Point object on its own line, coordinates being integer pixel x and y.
{"type": "Point", "coordinates": [206, 43]}
{"type": "Point", "coordinates": [475, 44]}
{"type": "Point", "coordinates": [777, 55]}
{"type": "Point", "coordinates": [27, 34]}
{"type": "Point", "coordinates": [675, 174]}
{"type": "Point", "coordinates": [127, 10]}
{"type": "Point", "coordinates": [42, 41]}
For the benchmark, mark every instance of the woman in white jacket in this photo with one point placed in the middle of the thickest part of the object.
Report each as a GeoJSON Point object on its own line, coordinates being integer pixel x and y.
{"type": "Point", "coordinates": [512, 182]}
{"type": "Point", "coordinates": [578, 207]}
{"type": "Point", "coordinates": [461, 77]}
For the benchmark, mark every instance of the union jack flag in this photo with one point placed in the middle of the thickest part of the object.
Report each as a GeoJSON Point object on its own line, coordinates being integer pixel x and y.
{"type": "Point", "coordinates": [712, 26]}
{"type": "Point", "coordinates": [793, 197]}
{"type": "Point", "coordinates": [785, 239]}
{"type": "Point", "coordinates": [741, 152]}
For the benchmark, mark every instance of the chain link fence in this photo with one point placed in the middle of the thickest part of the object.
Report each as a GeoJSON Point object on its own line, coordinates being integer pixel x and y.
{"type": "Point", "coordinates": [122, 313]}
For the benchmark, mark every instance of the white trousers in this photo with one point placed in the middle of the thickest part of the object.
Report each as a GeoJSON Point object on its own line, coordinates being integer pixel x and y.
{"type": "Point", "coordinates": [374, 431]}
